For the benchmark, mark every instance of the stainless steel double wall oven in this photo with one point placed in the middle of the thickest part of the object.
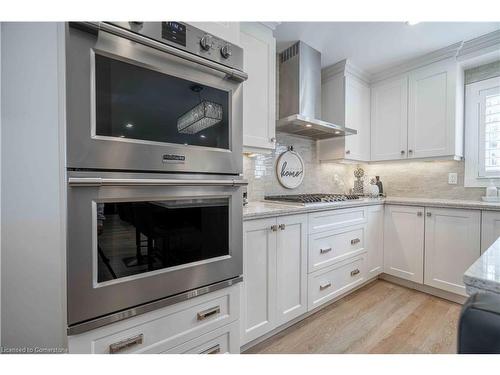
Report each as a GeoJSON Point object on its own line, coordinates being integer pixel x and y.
{"type": "Point", "coordinates": [154, 141]}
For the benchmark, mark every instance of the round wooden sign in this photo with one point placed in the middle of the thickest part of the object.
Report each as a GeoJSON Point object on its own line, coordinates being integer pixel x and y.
{"type": "Point", "coordinates": [290, 169]}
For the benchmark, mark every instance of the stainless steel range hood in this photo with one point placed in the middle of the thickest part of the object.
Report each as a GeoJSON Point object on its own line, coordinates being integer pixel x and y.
{"type": "Point", "coordinates": [300, 95]}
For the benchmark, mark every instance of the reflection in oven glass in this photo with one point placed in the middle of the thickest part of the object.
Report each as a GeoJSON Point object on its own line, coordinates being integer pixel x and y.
{"type": "Point", "coordinates": [139, 237]}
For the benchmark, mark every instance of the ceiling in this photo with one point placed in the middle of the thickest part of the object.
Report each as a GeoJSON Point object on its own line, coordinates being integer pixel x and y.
{"type": "Point", "coordinates": [376, 46]}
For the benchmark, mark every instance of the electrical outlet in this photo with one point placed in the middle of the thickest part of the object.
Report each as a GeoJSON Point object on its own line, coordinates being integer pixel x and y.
{"type": "Point", "coordinates": [452, 178]}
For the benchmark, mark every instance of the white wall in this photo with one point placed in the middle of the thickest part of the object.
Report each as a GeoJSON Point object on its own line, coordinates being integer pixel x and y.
{"type": "Point", "coordinates": [32, 187]}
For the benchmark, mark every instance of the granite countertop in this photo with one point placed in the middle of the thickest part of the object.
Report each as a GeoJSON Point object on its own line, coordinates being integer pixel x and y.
{"type": "Point", "coordinates": [484, 274]}
{"type": "Point", "coordinates": [261, 209]}
{"type": "Point", "coordinates": [452, 203]}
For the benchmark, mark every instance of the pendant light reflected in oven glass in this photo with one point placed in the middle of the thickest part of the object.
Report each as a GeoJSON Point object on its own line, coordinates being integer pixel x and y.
{"type": "Point", "coordinates": [200, 117]}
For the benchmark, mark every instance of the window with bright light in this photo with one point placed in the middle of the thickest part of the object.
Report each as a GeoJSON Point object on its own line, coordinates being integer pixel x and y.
{"type": "Point", "coordinates": [482, 132]}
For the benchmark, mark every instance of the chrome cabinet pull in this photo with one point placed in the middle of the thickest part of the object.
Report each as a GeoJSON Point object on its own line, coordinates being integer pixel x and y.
{"type": "Point", "coordinates": [410, 151]}
{"type": "Point", "coordinates": [355, 241]}
{"type": "Point", "coordinates": [354, 272]}
{"type": "Point", "coordinates": [325, 286]}
{"type": "Point", "coordinates": [429, 214]}
{"type": "Point", "coordinates": [274, 228]}
{"type": "Point", "coordinates": [125, 344]}
{"type": "Point", "coordinates": [213, 350]}
{"type": "Point", "coordinates": [324, 251]}
{"type": "Point", "coordinates": [347, 152]}
{"type": "Point", "coordinates": [402, 152]}
{"type": "Point", "coordinates": [208, 313]}
{"type": "Point", "coordinates": [419, 213]}
{"type": "Point", "coordinates": [282, 226]}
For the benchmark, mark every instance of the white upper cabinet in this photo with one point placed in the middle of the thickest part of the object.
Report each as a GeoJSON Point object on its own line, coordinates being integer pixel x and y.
{"type": "Point", "coordinates": [389, 119]}
{"type": "Point", "coordinates": [229, 31]}
{"type": "Point", "coordinates": [345, 100]}
{"type": "Point", "coordinates": [259, 91]}
{"type": "Point", "coordinates": [434, 129]}
{"type": "Point", "coordinates": [452, 238]}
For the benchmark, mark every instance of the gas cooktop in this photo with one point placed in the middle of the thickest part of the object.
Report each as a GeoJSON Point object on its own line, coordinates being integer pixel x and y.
{"type": "Point", "coordinates": [310, 199]}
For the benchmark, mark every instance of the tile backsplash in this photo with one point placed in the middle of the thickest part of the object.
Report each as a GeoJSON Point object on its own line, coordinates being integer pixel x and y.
{"type": "Point", "coordinates": [400, 178]}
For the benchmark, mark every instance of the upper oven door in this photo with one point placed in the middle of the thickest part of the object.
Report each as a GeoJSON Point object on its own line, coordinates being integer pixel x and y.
{"type": "Point", "coordinates": [133, 107]}
{"type": "Point", "coordinates": [136, 240]}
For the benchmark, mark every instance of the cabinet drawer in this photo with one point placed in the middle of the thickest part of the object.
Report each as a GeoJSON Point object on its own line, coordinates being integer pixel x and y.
{"type": "Point", "coordinates": [329, 220]}
{"type": "Point", "coordinates": [331, 282]}
{"type": "Point", "coordinates": [328, 248]}
{"type": "Point", "coordinates": [221, 341]}
{"type": "Point", "coordinates": [160, 330]}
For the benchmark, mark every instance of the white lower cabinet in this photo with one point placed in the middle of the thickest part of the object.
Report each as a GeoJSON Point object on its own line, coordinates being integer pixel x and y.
{"type": "Point", "coordinates": [375, 241]}
{"type": "Point", "coordinates": [166, 330]}
{"type": "Point", "coordinates": [490, 229]}
{"type": "Point", "coordinates": [404, 242]}
{"type": "Point", "coordinates": [331, 282]}
{"type": "Point", "coordinates": [274, 288]}
{"type": "Point", "coordinates": [452, 238]}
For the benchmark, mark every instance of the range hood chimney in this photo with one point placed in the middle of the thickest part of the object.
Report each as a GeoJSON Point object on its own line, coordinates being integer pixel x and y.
{"type": "Point", "coordinates": [300, 95]}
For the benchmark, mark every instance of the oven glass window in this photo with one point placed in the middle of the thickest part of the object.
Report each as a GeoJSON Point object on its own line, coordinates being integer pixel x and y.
{"type": "Point", "coordinates": [139, 237]}
{"type": "Point", "coordinates": [142, 104]}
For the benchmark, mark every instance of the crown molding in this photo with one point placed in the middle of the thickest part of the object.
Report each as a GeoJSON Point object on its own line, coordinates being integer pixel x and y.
{"type": "Point", "coordinates": [450, 51]}
{"type": "Point", "coordinates": [488, 44]}
{"type": "Point", "coordinates": [344, 67]}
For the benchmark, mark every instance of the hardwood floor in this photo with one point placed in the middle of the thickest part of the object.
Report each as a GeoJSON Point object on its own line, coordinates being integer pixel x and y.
{"type": "Point", "coordinates": [379, 318]}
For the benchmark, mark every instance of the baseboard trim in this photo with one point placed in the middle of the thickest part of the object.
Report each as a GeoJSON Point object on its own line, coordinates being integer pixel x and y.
{"type": "Point", "coordinates": [457, 298]}
{"type": "Point", "coordinates": [277, 330]}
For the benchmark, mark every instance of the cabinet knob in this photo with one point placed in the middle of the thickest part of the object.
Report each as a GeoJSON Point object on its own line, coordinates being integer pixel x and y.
{"type": "Point", "coordinates": [419, 213]}
{"type": "Point", "coordinates": [410, 151]}
{"type": "Point", "coordinates": [429, 214]}
{"type": "Point", "coordinates": [347, 152]}
{"type": "Point", "coordinates": [282, 226]}
{"type": "Point", "coordinates": [402, 152]}
{"type": "Point", "coordinates": [273, 140]}
{"type": "Point", "coordinates": [274, 228]}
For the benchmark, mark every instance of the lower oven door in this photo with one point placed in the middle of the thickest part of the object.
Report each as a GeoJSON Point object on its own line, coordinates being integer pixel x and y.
{"type": "Point", "coordinates": [133, 241]}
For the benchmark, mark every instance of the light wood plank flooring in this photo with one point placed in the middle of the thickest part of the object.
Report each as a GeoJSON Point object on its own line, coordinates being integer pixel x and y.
{"type": "Point", "coordinates": [379, 318]}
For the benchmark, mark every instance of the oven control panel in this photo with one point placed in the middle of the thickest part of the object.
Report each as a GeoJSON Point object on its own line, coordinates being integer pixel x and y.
{"type": "Point", "coordinates": [189, 38]}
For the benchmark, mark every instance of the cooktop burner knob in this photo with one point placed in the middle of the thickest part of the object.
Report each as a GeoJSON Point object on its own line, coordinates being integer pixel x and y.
{"type": "Point", "coordinates": [206, 42]}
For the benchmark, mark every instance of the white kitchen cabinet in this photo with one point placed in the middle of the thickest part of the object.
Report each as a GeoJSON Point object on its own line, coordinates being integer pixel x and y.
{"type": "Point", "coordinates": [490, 229]}
{"type": "Point", "coordinates": [389, 119]}
{"type": "Point", "coordinates": [375, 241]}
{"type": "Point", "coordinates": [258, 297]}
{"type": "Point", "coordinates": [291, 267]}
{"type": "Point", "coordinates": [345, 101]}
{"type": "Point", "coordinates": [229, 31]}
{"type": "Point", "coordinates": [404, 242]}
{"type": "Point", "coordinates": [435, 126]}
{"type": "Point", "coordinates": [274, 288]}
{"type": "Point", "coordinates": [259, 90]}
{"type": "Point", "coordinates": [452, 238]}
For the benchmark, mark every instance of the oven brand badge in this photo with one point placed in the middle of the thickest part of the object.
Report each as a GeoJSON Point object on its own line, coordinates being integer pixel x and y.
{"type": "Point", "coordinates": [173, 158]}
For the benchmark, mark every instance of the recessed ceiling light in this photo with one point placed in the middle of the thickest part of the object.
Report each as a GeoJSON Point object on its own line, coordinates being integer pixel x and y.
{"type": "Point", "coordinates": [122, 136]}
{"type": "Point", "coordinates": [308, 125]}
{"type": "Point", "coordinates": [129, 126]}
{"type": "Point", "coordinates": [202, 136]}
{"type": "Point", "coordinates": [337, 132]}
{"type": "Point", "coordinates": [412, 23]}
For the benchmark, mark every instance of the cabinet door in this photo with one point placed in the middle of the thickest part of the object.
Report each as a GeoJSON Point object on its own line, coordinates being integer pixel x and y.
{"type": "Point", "coordinates": [259, 91]}
{"type": "Point", "coordinates": [452, 244]}
{"type": "Point", "coordinates": [490, 229]}
{"type": "Point", "coordinates": [404, 242]}
{"type": "Point", "coordinates": [291, 272]}
{"type": "Point", "coordinates": [357, 116]}
{"type": "Point", "coordinates": [258, 299]}
{"type": "Point", "coordinates": [375, 241]}
{"type": "Point", "coordinates": [431, 111]}
{"type": "Point", "coordinates": [389, 110]}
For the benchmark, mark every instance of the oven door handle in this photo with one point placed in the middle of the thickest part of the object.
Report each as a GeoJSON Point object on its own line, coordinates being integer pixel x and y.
{"type": "Point", "coordinates": [97, 181]}
{"type": "Point", "coordinates": [233, 74]}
